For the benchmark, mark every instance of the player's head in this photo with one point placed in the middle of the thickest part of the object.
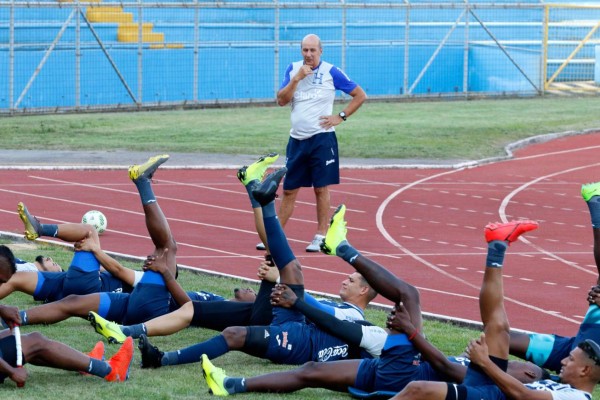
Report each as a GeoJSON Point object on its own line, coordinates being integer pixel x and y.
{"type": "Point", "coordinates": [311, 50]}
{"type": "Point", "coordinates": [582, 364]}
{"type": "Point", "coordinates": [244, 294]}
{"type": "Point", "coordinates": [526, 372]}
{"type": "Point", "coordinates": [8, 266]}
{"type": "Point", "coordinates": [356, 289]}
{"type": "Point", "coordinates": [47, 264]}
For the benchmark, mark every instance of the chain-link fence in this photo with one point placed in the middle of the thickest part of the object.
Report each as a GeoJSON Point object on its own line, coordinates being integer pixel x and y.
{"type": "Point", "coordinates": [103, 54]}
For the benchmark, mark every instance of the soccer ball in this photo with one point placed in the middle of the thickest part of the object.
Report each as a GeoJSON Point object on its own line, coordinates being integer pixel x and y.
{"type": "Point", "coordinates": [96, 219]}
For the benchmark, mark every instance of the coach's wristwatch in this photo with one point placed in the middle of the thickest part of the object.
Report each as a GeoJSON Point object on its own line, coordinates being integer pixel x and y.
{"type": "Point", "coordinates": [343, 115]}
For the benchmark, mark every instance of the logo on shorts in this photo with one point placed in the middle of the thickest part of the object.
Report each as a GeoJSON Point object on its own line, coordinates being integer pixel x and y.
{"type": "Point", "coordinates": [337, 351]}
{"type": "Point", "coordinates": [329, 162]}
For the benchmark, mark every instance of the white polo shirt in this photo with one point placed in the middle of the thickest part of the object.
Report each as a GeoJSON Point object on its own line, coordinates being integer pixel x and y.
{"type": "Point", "coordinates": [314, 97]}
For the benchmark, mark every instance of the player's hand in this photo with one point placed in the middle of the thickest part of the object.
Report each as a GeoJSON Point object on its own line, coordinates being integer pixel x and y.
{"type": "Point", "coordinates": [156, 263]}
{"type": "Point", "coordinates": [477, 350]}
{"type": "Point", "coordinates": [329, 121]}
{"type": "Point", "coordinates": [399, 320]}
{"type": "Point", "coordinates": [283, 296]}
{"type": "Point", "coordinates": [10, 315]}
{"type": "Point", "coordinates": [267, 273]}
{"type": "Point", "coordinates": [19, 375]}
{"type": "Point", "coordinates": [87, 244]}
{"type": "Point", "coordinates": [303, 72]}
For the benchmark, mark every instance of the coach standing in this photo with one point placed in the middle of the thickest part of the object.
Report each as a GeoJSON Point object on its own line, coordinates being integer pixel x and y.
{"type": "Point", "coordinates": [312, 151]}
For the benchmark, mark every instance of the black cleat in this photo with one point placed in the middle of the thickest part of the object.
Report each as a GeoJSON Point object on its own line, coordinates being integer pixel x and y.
{"type": "Point", "coordinates": [267, 190]}
{"type": "Point", "coordinates": [151, 355]}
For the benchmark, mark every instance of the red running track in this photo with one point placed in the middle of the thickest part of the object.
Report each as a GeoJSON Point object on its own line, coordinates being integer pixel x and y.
{"type": "Point", "coordinates": [425, 225]}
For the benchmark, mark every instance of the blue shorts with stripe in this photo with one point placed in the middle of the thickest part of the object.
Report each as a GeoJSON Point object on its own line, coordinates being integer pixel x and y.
{"type": "Point", "coordinates": [149, 299]}
{"type": "Point", "coordinates": [49, 286]}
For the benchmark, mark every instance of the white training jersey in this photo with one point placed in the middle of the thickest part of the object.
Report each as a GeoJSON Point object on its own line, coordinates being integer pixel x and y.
{"type": "Point", "coordinates": [314, 97]}
{"type": "Point", "coordinates": [24, 266]}
{"type": "Point", "coordinates": [560, 391]}
{"type": "Point", "coordinates": [344, 311]}
{"type": "Point", "coordinates": [373, 339]}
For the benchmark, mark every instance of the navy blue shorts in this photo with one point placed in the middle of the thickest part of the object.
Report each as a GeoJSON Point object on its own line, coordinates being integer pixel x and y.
{"type": "Point", "coordinates": [8, 352]}
{"type": "Point", "coordinates": [49, 286]}
{"type": "Point", "coordinates": [393, 370]}
{"type": "Point", "coordinates": [312, 162]}
{"type": "Point", "coordinates": [147, 301]}
{"type": "Point", "coordinates": [479, 386]}
{"type": "Point", "coordinates": [289, 343]}
{"type": "Point", "coordinates": [108, 283]}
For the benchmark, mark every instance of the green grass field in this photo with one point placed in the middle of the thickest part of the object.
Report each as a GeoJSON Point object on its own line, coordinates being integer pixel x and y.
{"type": "Point", "coordinates": [462, 130]}
{"type": "Point", "coordinates": [452, 130]}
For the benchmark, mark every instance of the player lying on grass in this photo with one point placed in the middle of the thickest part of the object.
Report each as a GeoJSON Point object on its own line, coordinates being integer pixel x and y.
{"type": "Point", "coordinates": [41, 263]}
{"type": "Point", "coordinates": [486, 376]}
{"type": "Point", "coordinates": [548, 350]}
{"type": "Point", "coordinates": [84, 275]}
{"type": "Point", "coordinates": [151, 296]}
{"type": "Point", "coordinates": [39, 350]}
{"type": "Point", "coordinates": [355, 294]}
{"type": "Point", "coordinates": [289, 339]}
{"type": "Point", "coordinates": [399, 361]}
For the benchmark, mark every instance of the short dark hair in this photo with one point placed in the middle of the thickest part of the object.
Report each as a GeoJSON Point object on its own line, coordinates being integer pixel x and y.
{"type": "Point", "coordinates": [592, 350]}
{"type": "Point", "coordinates": [10, 257]}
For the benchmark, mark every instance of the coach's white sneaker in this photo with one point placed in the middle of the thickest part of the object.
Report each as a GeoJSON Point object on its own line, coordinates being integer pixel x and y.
{"type": "Point", "coordinates": [315, 245]}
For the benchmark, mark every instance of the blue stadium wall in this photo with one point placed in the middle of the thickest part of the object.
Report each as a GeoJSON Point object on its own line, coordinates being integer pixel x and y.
{"type": "Point", "coordinates": [244, 69]}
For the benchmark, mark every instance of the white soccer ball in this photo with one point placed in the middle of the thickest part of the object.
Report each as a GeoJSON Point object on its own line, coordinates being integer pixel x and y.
{"type": "Point", "coordinates": [96, 219]}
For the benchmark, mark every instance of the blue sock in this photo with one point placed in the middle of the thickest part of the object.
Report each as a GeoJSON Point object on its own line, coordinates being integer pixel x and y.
{"type": "Point", "coordinates": [249, 188]}
{"type": "Point", "coordinates": [213, 348]}
{"type": "Point", "coordinates": [99, 368]}
{"type": "Point", "coordinates": [144, 186]}
{"type": "Point", "coordinates": [49, 230]}
{"type": "Point", "coordinates": [278, 245]}
{"type": "Point", "coordinates": [495, 255]}
{"type": "Point", "coordinates": [346, 252]}
{"type": "Point", "coordinates": [594, 206]}
{"type": "Point", "coordinates": [133, 330]}
{"type": "Point", "coordinates": [235, 385]}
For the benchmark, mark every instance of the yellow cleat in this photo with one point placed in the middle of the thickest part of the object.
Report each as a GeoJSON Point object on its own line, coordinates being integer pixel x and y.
{"type": "Point", "coordinates": [257, 169]}
{"type": "Point", "coordinates": [147, 169]}
{"type": "Point", "coordinates": [32, 225]}
{"type": "Point", "coordinates": [109, 330]}
{"type": "Point", "coordinates": [336, 233]}
{"type": "Point", "coordinates": [215, 377]}
{"type": "Point", "coordinates": [590, 190]}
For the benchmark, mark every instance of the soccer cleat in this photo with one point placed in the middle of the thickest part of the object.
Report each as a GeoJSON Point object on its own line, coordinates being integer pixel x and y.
{"type": "Point", "coordinates": [508, 231]}
{"type": "Point", "coordinates": [215, 377]}
{"type": "Point", "coordinates": [109, 330]}
{"type": "Point", "coordinates": [315, 245]}
{"type": "Point", "coordinates": [590, 190]}
{"type": "Point", "coordinates": [98, 351]}
{"type": "Point", "coordinates": [336, 233]}
{"type": "Point", "coordinates": [151, 355]}
{"type": "Point", "coordinates": [266, 191]}
{"type": "Point", "coordinates": [147, 169]}
{"type": "Point", "coordinates": [121, 362]}
{"type": "Point", "coordinates": [32, 225]}
{"type": "Point", "coordinates": [256, 170]}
